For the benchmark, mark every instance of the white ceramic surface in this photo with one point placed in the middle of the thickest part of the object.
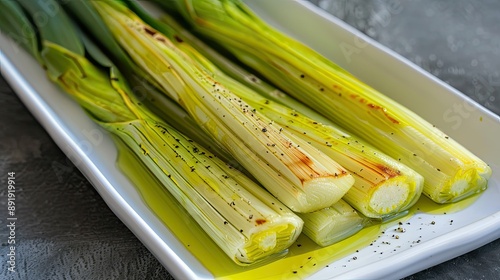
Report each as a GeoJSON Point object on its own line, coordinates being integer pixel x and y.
{"type": "Point", "coordinates": [92, 150]}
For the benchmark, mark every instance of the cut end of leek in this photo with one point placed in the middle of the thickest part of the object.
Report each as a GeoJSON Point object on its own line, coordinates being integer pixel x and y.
{"type": "Point", "coordinates": [388, 197]}
{"type": "Point", "coordinates": [452, 173]}
{"type": "Point", "coordinates": [466, 183]}
{"type": "Point", "coordinates": [267, 242]}
{"type": "Point", "coordinates": [323, 192]}
{"type": "Point", "coordinates": [332, 224]}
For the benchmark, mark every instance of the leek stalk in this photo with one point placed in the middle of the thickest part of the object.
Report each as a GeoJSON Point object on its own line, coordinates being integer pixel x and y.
{"type": "Point", "coordinates": [332, 224]}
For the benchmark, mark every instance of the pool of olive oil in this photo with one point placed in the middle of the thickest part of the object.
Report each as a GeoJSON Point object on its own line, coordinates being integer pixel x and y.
{"type": "Point", "coordinates": [304, 256]}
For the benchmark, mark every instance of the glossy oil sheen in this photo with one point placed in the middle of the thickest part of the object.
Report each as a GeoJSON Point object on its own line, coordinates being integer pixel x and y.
{"type": "Point", "coordinates": [304, 256]}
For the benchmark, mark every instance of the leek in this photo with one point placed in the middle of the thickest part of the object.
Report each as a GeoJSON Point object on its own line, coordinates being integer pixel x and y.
{"type": "Point", "coordinates": [244, 220]}
{"type": "Point", "coordinates": [451, 172]}
{"type": "Point", "coordinates": [332, 224]}
{"type": "Point", "coordinates": [295, 172]}
{"type": "Point", "coordinates": [14, 24]}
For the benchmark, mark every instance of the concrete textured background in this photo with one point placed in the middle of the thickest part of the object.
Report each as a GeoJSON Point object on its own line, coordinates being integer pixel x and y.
{"type": "Point", "coordinates": [66, 231]}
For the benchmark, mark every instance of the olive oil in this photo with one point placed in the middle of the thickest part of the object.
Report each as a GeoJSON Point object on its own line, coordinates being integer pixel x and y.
{"type": "Point", "coordinates": [304, 257]}
{"type": "Point", "coordinates": [426, 205]}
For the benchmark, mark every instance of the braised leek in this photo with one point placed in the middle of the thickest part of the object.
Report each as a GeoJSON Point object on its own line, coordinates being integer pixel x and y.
{"type": "Point", "coordinates": [332, 224]}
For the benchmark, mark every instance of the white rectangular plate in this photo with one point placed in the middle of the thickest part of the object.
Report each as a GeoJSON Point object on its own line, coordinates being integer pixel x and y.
{"type": "Point", "coordinates": [430, 238]}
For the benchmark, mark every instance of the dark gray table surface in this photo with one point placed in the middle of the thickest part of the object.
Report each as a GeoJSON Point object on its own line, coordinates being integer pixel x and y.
{"type": "Point", "coordinates": [66, 231]}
